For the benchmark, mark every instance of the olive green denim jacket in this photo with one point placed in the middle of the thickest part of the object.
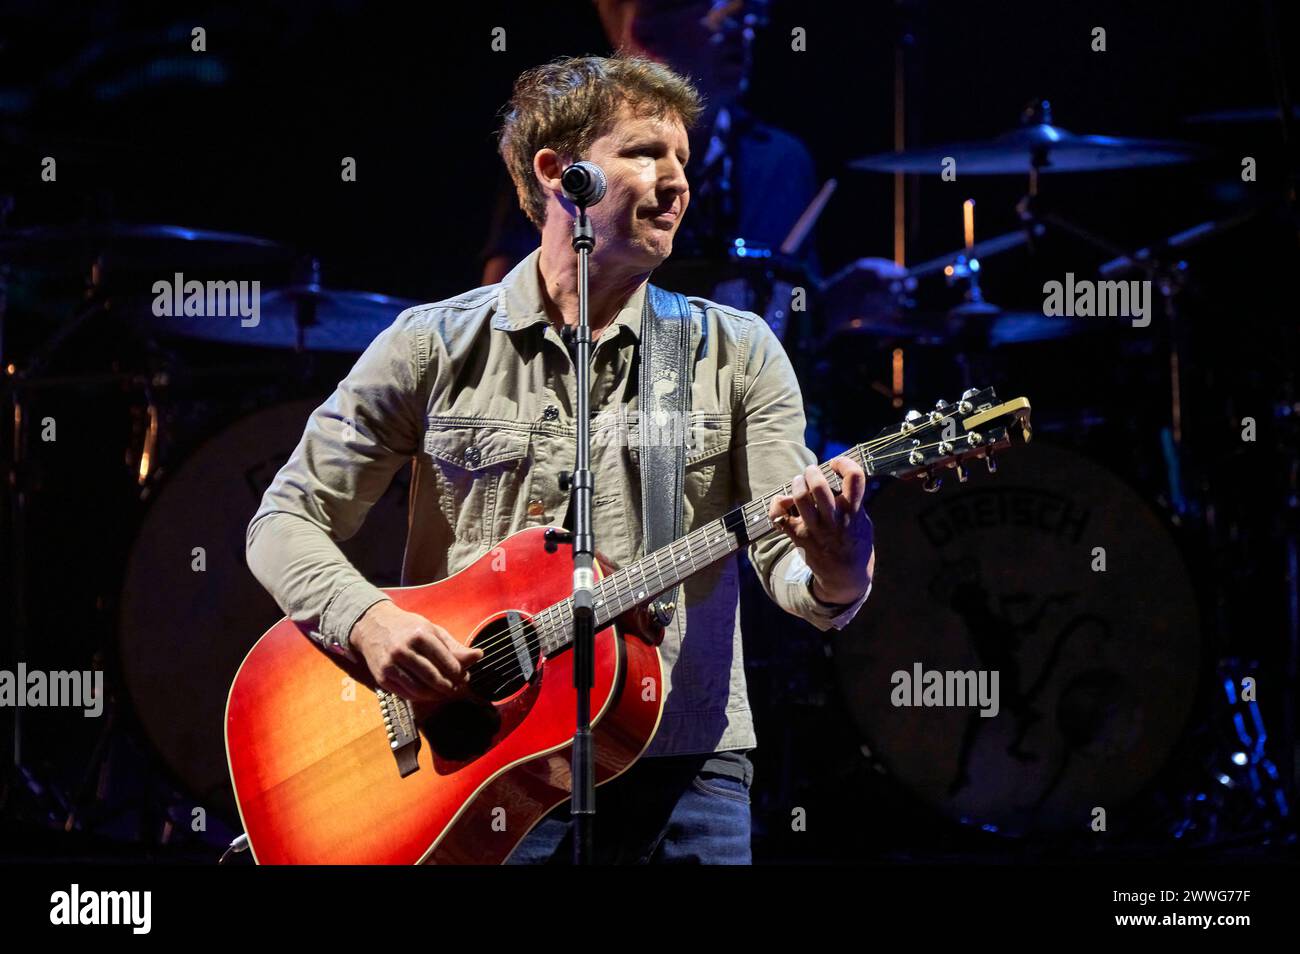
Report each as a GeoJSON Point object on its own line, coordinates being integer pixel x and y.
{"type": "Point", "coordinates": [477, 393]}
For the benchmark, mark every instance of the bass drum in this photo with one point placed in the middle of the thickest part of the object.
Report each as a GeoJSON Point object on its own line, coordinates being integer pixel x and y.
{"type": "Point", "coordinates": [1058, 578]}
{"type": "Point", "coordinates": [188, 618]}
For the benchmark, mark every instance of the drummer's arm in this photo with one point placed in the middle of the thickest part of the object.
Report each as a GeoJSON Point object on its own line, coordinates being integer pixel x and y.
{"type": "Point", "coordinates": [353, 445]}
{"type": "Point", "coordinates": [768, 451]}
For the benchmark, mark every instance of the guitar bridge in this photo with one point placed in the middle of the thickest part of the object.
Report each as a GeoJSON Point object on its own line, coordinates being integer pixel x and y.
{"type": "Point", "coordinates": [403, 736]}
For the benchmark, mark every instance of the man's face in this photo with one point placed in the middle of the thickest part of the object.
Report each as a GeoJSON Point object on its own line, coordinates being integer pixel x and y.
{"type": "Point", "coordinates": [644, 160]}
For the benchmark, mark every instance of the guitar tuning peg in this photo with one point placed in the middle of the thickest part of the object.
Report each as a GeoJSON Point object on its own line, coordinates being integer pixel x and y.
{"type": "Point", "coordinates": [941, 405]}
{"type": "Point", "coordinates": [969, 393]}
{"type": "Point", "coordinates": [990, 463]}
{"type": "Point", "coordinates": [931, 484]}
{"type": "Point", "coordinates": [963, 474]}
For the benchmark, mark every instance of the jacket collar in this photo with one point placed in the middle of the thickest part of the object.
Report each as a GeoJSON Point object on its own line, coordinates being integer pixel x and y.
{"type": "Point", "coordinates": [519, 300]}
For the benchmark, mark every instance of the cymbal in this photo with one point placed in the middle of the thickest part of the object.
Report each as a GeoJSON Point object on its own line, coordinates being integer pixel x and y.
{"type": "Point", "coordinates": [1031, 327]}
{"type": "Point", "coordinates": [1056, 149]}
{"type": "Point", "coordinates": [969, 324]}
{"type": "Point", "coordinates": [875, 319]}
{"type": "Point", "coordinates": [1243, 114]}
{"type": "Point", "coordinates": [305, 317]}
{"type": "Point", "coordinates": [23, 145]}
{"type": "Point", "coordinates": [130, 244]}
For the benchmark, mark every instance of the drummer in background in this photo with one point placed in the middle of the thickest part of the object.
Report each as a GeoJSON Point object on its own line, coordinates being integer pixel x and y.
{"type": "Point", "coordinates": [751, 180]}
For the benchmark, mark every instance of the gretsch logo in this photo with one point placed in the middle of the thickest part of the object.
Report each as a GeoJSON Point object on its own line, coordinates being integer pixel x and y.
{"type": "Point", "coordinates": [1025, 507]}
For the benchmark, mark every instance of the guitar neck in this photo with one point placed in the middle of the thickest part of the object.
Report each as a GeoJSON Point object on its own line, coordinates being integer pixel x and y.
{"type": "Point", "coordinates": [923, 445]}
{"type": "Point", "coordinates": [670, 565]}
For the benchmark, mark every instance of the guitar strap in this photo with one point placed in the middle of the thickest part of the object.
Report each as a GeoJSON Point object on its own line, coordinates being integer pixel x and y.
{"type": "Point", "coordinates": [665, 405]}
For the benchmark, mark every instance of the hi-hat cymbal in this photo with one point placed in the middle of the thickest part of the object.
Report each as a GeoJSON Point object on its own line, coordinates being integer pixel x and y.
{"type": "Point", "coordinates": [1051, 147]}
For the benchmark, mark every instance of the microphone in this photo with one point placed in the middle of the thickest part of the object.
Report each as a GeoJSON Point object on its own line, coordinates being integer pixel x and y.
{"type": "Point", "coordinates": [583, 184]}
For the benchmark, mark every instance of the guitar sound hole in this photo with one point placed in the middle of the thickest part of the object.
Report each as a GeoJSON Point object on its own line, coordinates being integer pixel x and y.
{"type": "Point", "coordinates": [511, 654]}
{"type": "Point", "coordinates": [464, 728]}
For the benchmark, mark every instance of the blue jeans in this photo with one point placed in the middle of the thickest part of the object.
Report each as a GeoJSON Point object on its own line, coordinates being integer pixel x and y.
{"type": "Point", "coordinates": [662, 810]}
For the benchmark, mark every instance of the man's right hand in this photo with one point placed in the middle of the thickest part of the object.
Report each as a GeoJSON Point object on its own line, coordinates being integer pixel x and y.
{"type": "Point", "coordinates": [410, 656]}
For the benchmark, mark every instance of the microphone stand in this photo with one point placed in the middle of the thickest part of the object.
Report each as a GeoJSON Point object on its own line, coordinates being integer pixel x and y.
{"type": "Point", "coordinates": [580, 485]}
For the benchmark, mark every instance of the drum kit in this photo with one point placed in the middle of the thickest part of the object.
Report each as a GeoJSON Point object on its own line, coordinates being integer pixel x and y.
{"type": "Point", "coordinates": [143, 443]}
{"type": "Point", "coordinates": [1104, 672]}
{"type": "Point", "coordinates": [178, 423]}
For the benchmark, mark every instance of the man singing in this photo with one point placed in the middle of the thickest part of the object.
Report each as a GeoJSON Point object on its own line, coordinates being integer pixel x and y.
{"type": "Point", "coordinates": [478, 391]}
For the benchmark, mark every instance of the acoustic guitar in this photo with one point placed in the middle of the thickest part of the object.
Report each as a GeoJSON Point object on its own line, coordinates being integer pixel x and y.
{"type": "Point", "coordinates": [329, 769]}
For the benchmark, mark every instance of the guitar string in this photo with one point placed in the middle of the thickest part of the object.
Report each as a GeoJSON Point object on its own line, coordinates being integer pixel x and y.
{"type": "Point", "coordinates": [509, 638]}
{"type": "Point", "coordinates": [497, 658]}
{"type": "Point", "coordinates": [501, 646]}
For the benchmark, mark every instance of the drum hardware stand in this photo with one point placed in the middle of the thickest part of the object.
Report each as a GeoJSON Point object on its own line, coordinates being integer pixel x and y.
{"type": "Point", "coordinates": [56, 807]}
{"type": "Point", "coordinates": [96, 775]}
{"type": "Point", "coordinates": [308, 273]}
{"type": "Point", "coordinates": [1168, 279]}
{"type": "Point", "coordinates": [1239, 782]}
{"type": "Point", "coordinates": [1287, 412]}
{"type": "Point", "coordinates": [19, 775]}
{"type": "Point", "coordinates": [908, 45]}
{"type": "Point", "coordinates": [1286, 116]}
{"type": "Point", "coordinates": [96, 779]}
{"type": "Point", "coordinates": [966, 321]}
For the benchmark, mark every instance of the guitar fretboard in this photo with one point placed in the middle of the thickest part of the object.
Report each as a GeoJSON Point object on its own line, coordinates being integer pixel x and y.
{"type": "Point", "coordinates": [670, 565]}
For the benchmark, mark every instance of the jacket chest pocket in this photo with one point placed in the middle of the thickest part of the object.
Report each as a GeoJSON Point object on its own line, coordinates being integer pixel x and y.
{"type": "Point", "coordinates": [482, 468]}
{"type": "Point", "coordinates": [707, 474]}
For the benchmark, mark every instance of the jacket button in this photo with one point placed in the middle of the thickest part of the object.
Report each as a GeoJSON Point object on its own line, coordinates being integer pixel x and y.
{"type": "Point", "coordinates": [472, 456]}
{"type": "Point", "coordinates": [536, 508]}
{"type": "Point", "coordinates": [551, 413]}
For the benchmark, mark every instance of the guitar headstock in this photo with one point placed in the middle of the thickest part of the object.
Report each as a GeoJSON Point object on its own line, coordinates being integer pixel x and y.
{"type": "Point", "coordinates": [947, 438]}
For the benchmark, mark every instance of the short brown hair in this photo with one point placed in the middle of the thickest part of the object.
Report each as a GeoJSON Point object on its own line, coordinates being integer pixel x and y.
{"type": "Point", "coordinates": [567, 104]}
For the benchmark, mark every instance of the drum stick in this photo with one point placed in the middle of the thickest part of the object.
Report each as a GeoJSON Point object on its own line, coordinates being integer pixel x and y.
{"type": "Point", "coordinates": [809, 218]}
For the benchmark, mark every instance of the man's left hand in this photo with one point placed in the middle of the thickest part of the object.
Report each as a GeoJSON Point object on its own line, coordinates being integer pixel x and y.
{"type": "Point", "coordinates": [832, 529]}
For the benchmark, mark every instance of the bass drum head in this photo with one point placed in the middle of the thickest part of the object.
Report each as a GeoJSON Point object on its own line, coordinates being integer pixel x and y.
{"type": "Point", "coordinates": [187, 625]}
{"type": "Point", "coordinates": [1097, 667]}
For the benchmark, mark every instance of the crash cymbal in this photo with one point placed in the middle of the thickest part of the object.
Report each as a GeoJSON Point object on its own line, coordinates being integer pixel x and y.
{"type": "Point", "coordinates": [1053, 148]}
{"type": "Point", "coordinates": [136, 245]}
{"type": "Point", "coordinates": [307, 317]}
{"type": "Point", "coordinates": [1243, 114]}
{"type": "Point", "coordinates": [978, 324]}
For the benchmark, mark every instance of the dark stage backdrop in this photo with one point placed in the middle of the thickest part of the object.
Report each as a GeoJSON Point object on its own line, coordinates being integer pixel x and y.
{"type": "Point", "coordinates": [249, 137]}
